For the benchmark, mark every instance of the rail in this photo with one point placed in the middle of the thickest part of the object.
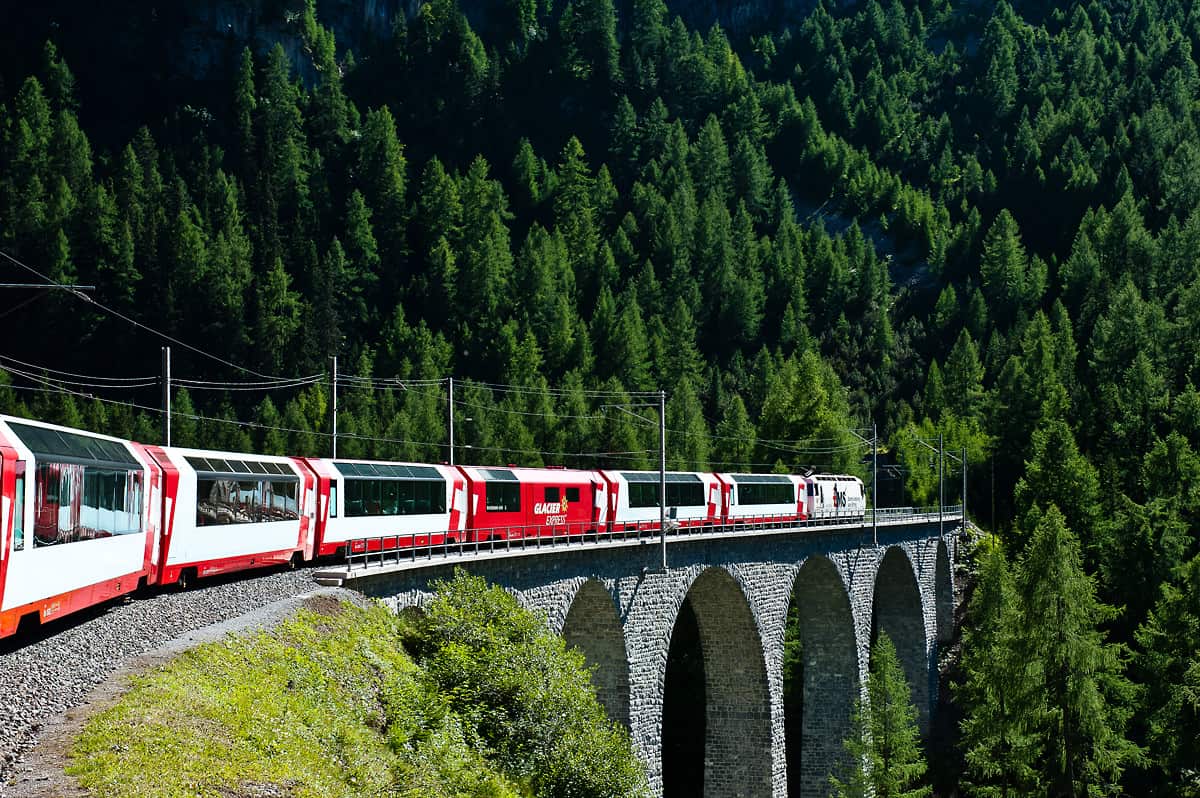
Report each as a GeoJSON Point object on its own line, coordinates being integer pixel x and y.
{"type": "Point", "coordinates": [398, 549]}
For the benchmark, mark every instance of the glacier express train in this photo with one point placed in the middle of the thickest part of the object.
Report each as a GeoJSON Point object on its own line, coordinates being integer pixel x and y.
{"type": "Point", "coordinates": [85, 518]}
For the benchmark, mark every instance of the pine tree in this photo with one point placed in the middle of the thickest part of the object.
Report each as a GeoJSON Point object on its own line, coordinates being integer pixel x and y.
{"type": "Point", "coordinates": [575, 212]}
{"type": "Point", "coordinates": [710, 163]}
{"type": "Point", "coordinates": [688, 441]}
{"type": "Point", "coordinates": [998, 750]}
{"type": "Point", "coordinates": [278, 316]}
{"type": "Point", "coordinates": [1003, 267]}
{"type": "Point", "coordinates": [632, 348]}
{"type": "Point", "coordinates": [964, 379]}
{"type": "Point", "coordinates": [1080, 696]}
{"type": "Point", "coordinates": [884, 748]}
{"type": "Point", "coordinates": [245, 103]}
{"type": "Point", "coordinates": [681, 358]}
{"type": "Point", "coordinates": [271, 438]}
{"type": "Point", "coordinates": [184, 425]}
{"type": "Point", "coordinates": [1169, 663]}
{"type": "Point", "coordinates": [382, 165]}
{"type": "Point", "coordinates": [734, 437]}
{"type": "Point", "coordinates": [589, 32]}
{"type": "Point", "coordinates": [1058, 474]}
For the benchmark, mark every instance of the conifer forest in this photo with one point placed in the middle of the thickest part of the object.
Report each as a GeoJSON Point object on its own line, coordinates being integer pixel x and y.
{"type": "Point", "coordinates": [945, 218]}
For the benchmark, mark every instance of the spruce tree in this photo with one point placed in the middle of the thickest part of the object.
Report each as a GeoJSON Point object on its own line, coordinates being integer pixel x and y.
{"type": "Point", "coordinates": [1079, 697]}
{"type": "Point", "coordinates": [734, 438]}
{"type": "Point", "coordinates": [995, 689]}
{"type": "Point", "coordinates": [687, 429]}
{"type": "Point", "coordinates": [884, 748]}
{"type": "Point", "coordinates": [1169, 663]}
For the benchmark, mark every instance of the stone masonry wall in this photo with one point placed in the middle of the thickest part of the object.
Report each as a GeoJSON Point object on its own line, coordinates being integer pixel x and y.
{"type": "Point", "coordinates": [741, 588]}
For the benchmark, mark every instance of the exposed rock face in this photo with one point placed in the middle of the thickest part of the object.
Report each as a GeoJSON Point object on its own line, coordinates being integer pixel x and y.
{"type": "Point", "coordinates": [743, 17]}
{"type": "Point", "coordinates": [213, 26]}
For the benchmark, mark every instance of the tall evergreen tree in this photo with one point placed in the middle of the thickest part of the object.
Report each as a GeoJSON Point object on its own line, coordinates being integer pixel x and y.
{"type": "Point", "coordinates": [1080, 696]}
{"type": "Point", "coordinates": [1169, 662]}
{"type": "Point", "coordinates": [995, 691]}
{"type": "Point", "coordinates": [884, 748]}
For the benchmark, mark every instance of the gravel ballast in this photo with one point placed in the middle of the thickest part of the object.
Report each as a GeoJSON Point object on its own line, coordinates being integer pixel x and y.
{"type": "Point", "coordinates": [57, 669]}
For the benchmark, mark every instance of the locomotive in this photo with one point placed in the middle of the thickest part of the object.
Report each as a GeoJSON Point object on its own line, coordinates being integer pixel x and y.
{"type": "Point", "coordinates": [85, 518]}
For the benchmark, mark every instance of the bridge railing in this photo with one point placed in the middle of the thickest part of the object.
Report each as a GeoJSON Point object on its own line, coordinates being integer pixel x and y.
{"type": "Point", "coordinates": [383, 550]}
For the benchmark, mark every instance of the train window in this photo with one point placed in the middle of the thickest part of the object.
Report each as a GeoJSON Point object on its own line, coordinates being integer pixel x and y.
{"type": "Point", "coordinates": [367, 497]}
{"type": "Point", "coordinates": [354, 502]}
{"type": "Point", "coordinates": [685, 494]}
{"type": "Point", "coordinates": [19, 511]}
{"type": "Point", "coordinates": [393, 502]}
{"type": "Point", "coordinates": [572, 494]}
{"type": "Point", "coordinates": [75, 502]}
{"type": "Point", "coordinates": [226, 501]}
{"type": "Point", "coordinates": [503, 497]}
{"type": "Point", "coordinates": [333, 499]}
{"type": "Point", "coordinates": [643, 494]}
{"type": "Point", "coordinates": [423, 501]}
{"type": "Point", "coordinates": [758, 493]}
{"type": "Point", "coordinates": [550, 495]}
{"type": "Point", "coordinates": [285, 504]}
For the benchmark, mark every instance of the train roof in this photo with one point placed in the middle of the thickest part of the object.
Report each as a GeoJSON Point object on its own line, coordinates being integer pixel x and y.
{"type": "Point", "coordinates": [232, 465]}
{"type": "Point", "coordinates": [534, 475]}
{"type": "Point", "coordinates": [761, 479]}
{"type": "Point", "coordinates": [64, 444]}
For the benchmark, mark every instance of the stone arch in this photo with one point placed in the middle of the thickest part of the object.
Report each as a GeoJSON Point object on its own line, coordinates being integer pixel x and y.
{"type": "Point", "coordinates": [829, 676]}
{"type": "Point", "coordinates": [898, 611]}
{"type": "Point", "coordinates": [943, 594]}
{"type": "Point", "coordinates": [737, 736]}
{"type": "Point", "coordinates": [592, 626]}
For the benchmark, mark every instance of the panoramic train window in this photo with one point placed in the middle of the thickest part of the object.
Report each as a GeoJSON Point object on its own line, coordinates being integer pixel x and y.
{"type": "Point", "coordinates": [74, 502]}
{"type": "Point", "coordinates": [503, 497]}
{"type": "Point", "coordinates": [223, 501]}
{"type": "Point", "coordinates": [683, 490]}
{"type": "Point", "coordinates": [764, 489]}
{"type": "Point", "coordinates": [84, 487]}
{"type": "Point", "coordinates": [367, 497]}
{"type": "Point", "coordinates": [230, 491]}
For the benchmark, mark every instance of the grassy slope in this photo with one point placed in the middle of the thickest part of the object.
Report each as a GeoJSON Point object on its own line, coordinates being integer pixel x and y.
{"type": "Point", "coordinates": [324, 705]}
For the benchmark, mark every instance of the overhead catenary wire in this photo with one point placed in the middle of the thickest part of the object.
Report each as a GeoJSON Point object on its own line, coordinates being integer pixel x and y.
{"type": "Point", "coordinates": [209, 385]}
{"type": "Point", "coordinates": [50, 387]}
{"type": "Point", "coordinates": [32, 375]}
{"type": "Point", "coordinates": [91, 377]}
{"type": "Point", "coordinates": [99, 382]}
{"type": "Point", "coordinates": [138, 324]}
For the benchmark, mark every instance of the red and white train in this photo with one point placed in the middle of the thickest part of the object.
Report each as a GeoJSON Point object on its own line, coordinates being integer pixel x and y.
{"type": "Point", "coordinates": [85, 518]}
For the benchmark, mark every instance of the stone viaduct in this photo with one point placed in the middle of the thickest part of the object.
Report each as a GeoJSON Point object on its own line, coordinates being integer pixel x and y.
{"type": "Point", "coordinates": [613, 601]}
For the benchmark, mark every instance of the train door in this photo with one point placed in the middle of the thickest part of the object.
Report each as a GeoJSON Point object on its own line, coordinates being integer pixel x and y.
{"type": "Point", "coordinates": [12, 517]}
{"type": "Point", "coordinates": [308, 518]}
{"type": "Point", "coordinates": [12, 508]}
{"type": "Point", "coordinates": [599, 505]}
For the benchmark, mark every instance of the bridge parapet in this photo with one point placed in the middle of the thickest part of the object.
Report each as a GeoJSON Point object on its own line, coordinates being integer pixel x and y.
{"type": "Point", "coordinates": [386, 553]}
